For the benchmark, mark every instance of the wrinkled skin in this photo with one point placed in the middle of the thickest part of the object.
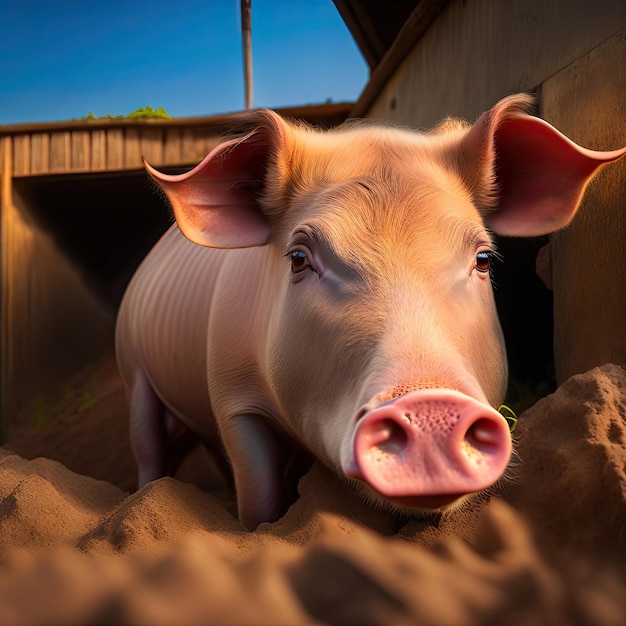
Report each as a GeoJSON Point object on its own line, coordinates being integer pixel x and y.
{"type": "Point", "coordinates": [329, 294]}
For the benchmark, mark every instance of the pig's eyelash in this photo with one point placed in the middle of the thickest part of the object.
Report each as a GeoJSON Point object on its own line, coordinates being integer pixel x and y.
{"type": "Point", "coordinates": [494, 254]}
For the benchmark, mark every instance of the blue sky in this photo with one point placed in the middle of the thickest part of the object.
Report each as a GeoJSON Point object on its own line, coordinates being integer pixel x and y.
{"type": "Point", "coordinates": [61, 59]}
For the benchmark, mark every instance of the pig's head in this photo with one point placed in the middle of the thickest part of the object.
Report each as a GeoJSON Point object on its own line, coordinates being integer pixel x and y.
{"type": "Point", "coordinates": [384, 354]}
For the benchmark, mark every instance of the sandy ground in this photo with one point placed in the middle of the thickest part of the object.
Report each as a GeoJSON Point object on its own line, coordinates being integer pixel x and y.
{"type": "Point", "coordinates": [79, 547]}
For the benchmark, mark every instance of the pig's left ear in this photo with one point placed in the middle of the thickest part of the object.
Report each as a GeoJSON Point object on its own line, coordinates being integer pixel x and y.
{"type": "Point", "coordinates": [526, 177]}
{"type": "Point", "coordinates": [217, 203]}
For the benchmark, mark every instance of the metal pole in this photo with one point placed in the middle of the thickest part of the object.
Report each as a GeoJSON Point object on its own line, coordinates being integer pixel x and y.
{"type": "Point", "coordinates": [246, 38]}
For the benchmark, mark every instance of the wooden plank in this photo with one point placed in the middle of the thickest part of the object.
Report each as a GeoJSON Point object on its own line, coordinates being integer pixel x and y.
{"type": "Point", "coordinates": [98, 150]}
{"type": "Point", "coordinates": [132, 148]}
{"type": "Point", "coordinates": [449, 71]}
{"type": "Point", "coordinates": [6, 167]}
{"type": "Point", "coordinates": [363, 30]}
{"type": "Point", "coordinates": [173, 147]}
{"type": "Point", "coordinates": [197, 143]}
{"type": "Point", "coordinates": [40, 153]}
{"type": "Point", "coordinates": [151, 146]}
{"type": "Point", "coordinates": [6, 201]}
{"type": "Point", "coordinates": [191, 149]}
{"type": "Point", "coordinates": [60, 147]}
{"type": "Point", "coordinates": [21, 155]}
{"type": "Point", "coordinates": [586, 102]}
{"type": "Point", "coordinates": [80, 152]}
{"type": "Point", "coordinates": [115, 149]}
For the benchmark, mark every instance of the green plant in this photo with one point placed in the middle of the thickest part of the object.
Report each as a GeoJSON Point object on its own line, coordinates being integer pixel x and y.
{"type": "Point", "coordinates": [149, 112]}
{"type": "Point", "coordinates": [139, 113]}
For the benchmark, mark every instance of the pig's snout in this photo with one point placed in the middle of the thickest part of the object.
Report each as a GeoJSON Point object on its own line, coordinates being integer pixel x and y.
{"type": "Point", "coordinates": [428, 448]}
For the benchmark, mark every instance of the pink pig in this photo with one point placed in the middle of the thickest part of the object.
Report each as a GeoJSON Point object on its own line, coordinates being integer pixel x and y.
{"type": "Point", "coordinates": [329, 293]}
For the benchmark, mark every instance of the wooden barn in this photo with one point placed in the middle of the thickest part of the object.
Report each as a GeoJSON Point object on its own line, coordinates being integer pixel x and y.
{"type": "Point", "coordinates": [78, 213]}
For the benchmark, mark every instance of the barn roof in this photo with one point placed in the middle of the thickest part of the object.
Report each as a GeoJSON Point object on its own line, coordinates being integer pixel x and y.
{"type": "Point", "coordinates": [385, 33]}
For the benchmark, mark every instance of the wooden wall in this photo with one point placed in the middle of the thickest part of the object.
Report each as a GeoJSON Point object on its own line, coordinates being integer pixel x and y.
{"type": "Point", "coordinates": [51, 322]}
{"type": "Point", "coordinates": [118, 144]}
{"type": "Point", "coordinates": [572, 54]}
{"type": "Point", "coordinates": [82, 180]}
{"type": "Point", "coordinates": [42, 151]}
{"type": "Point", "coordinates": [587, 101]}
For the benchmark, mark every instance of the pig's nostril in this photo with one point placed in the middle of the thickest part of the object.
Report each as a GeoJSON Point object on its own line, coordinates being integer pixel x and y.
{"type": "Point", "coordinates": [388, 436]}
{"type": "Point", "coordinates": [483, 434]}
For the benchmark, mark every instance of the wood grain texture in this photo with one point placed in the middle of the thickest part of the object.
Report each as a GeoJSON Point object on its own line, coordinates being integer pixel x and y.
{"type": "Point", "coordinates": [586, 102]}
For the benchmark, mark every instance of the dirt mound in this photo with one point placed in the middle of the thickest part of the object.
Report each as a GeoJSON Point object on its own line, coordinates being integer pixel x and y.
{"type": "Point", "coordinates": [552, 550]}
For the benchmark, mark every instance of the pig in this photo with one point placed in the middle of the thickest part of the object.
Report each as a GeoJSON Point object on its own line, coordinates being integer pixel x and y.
{"type": "Point", "coordinates": [328, 294]}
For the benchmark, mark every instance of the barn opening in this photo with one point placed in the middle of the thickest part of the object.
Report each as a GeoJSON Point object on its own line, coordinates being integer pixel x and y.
{"type": "Point", "coordinates": [104, 224]}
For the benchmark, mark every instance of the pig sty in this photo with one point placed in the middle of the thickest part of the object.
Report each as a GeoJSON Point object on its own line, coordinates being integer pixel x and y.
{"type": "Point", "coordinates": [328, 293]}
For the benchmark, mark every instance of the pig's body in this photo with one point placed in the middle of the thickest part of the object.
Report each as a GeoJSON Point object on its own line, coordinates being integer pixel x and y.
{"type": "Point", "coordinates": [171, 356]}
{"type": "Point", "coordinates": [185, 341]}
{"type": "Point", "coordinates": [374, 345]}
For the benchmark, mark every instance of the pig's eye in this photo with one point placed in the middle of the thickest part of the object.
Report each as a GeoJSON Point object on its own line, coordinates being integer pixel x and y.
{"type": "Point", "coordinates": [299, 261]}
{"type": "Point", "coordinates": [483, 261]}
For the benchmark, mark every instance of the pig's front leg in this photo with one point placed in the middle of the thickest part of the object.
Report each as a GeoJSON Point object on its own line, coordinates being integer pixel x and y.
{"type": "Point", "coordinates": [258, 457]}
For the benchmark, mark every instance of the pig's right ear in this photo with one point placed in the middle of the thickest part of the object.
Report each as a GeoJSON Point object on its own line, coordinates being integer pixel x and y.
{"type": "Point", "coordinates": [216, 204]}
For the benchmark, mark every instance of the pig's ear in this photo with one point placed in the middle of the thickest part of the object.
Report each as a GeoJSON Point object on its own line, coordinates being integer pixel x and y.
{"type": "Point", "coordinates": [216, 204]}
{"type": "Point", "coordinates": [526, 177]}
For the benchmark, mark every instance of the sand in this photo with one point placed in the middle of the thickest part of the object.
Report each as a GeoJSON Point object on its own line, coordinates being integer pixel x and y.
{"type": "Point", "coordinates": [80, 547]}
